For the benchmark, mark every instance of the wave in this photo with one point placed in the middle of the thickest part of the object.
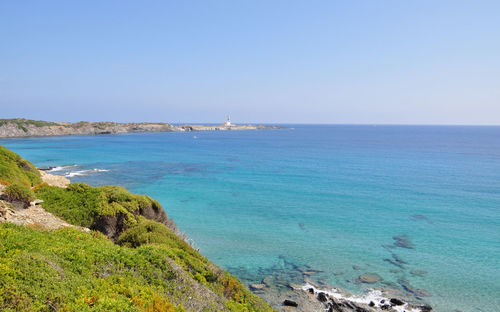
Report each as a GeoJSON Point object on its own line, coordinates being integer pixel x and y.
{"type": "Point", "coordinates": [83, 172]}
{"type": "Point", "coordinates": [61, 168]}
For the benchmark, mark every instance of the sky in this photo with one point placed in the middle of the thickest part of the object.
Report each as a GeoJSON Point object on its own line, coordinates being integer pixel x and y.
{"type": "Point", "coordinates": [269, 61]}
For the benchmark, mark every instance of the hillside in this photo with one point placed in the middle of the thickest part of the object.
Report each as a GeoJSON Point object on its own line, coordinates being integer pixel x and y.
{"type": "Point", "coordinates": [10, 128]}
{"type": "Point", "coordinates": [105, 250]}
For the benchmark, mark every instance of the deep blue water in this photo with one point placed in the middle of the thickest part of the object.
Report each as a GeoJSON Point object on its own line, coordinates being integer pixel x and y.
{"type": "Point", "coordinates": [331, 197]}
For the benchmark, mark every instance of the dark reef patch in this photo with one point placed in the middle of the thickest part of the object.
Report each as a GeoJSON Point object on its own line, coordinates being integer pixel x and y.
{"type": "Point", "coordinates": [403, 241]}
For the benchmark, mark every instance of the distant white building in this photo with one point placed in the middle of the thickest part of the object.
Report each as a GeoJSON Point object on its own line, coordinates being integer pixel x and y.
{"type": "Point", "coordinates": [228, 121]}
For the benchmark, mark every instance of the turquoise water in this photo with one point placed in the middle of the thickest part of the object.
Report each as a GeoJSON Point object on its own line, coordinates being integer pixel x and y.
{"type": "Point", "coordinates": [331, 197]}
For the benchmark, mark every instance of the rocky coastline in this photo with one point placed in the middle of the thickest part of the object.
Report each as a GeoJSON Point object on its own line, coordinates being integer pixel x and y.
{"type": "Point", "coordinates": [289, 286]}
{"type": "Point", "coordinates": [16, 128]}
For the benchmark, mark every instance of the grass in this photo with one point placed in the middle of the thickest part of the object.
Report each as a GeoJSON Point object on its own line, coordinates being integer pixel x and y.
{"type": "Point", "coordinates": [69, 270]}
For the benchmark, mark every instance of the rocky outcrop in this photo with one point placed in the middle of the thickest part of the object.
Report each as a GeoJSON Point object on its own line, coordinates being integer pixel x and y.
{"type": "Point", "coordinates": [10, 128]}
{"type": "Point", "coordinates": [54, 180]}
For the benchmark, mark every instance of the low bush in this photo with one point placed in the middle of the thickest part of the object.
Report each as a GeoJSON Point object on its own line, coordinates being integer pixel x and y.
{"type": "Point", "coordinates": [144, 232]}
{"type": "Point", "coordinates": [81, 204]}
{"type": "Point", "coordinates": [20, 193]}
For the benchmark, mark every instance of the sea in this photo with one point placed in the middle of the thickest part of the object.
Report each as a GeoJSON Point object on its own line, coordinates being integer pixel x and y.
{"type": "Point", "coordinates": [419, 206]}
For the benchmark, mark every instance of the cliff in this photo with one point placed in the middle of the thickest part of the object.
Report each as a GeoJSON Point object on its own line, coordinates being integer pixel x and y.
{"type": "Point", "coordinates": [10, 128]}
{"type": "Point", "coordinates": [73, 247]}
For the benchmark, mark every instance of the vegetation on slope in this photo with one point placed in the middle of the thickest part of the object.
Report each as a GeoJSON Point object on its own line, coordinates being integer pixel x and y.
{"type": "Point", "coordinates": [81, 204]}
{"type": "Point", "coordinates": [70, 270]}
{"type": "Point", "coordinates": [13, 168]}
{"type": "Point", "coordinates": [19, 192]}
{"type": "Point", "coordinates": [148, 268]}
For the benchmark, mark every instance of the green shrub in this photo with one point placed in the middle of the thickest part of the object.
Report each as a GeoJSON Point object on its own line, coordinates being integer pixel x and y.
{"type": "Point", "coordinates": [19, 192]}
{"type": "Point", "coordinates": [144, 232]}
{"type": "Point", "coordinates": [81, 204]}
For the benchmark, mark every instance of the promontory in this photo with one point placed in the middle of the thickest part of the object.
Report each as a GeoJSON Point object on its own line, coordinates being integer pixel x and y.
{"type": "Point", "coordinates": [14, 128]}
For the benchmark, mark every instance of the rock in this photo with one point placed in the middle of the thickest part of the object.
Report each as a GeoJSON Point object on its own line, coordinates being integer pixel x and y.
{"type": "Point", "coordinates": [385, 307]}
{"type": "Point", "coordinates": [399, 265]}
{"type": "Point", "coordinates": [395, 301]}
{"type": "Point", "coordinates": [402, 241]}
{"type": "Point", "coordinates": [334, 306]}
{"type": "Point", "coordinates": [322, 297]}
{"type": "Point", "coordinates": [257, 286]}
{"type": "Point", "coordinates": [398, 259]}
{"type": "Point", "coordinates": [370, 278]}
{"type": "Point", "coordinates": [371, 304]}
{"type": "Point", "coordinates": [36, 202]}
{"type": "Point", "coordinates": [425, 308]}
{"type": "Point", "coordinates": [290, 303]}
{"type": "Point", "coordinates": [311, 290]}
{"type": "Point", "coordinates": [54, 180]}
{"type": "Point", "coordinates": [268, 280]}
{"type": "Point", "coordinates": [419, 292]}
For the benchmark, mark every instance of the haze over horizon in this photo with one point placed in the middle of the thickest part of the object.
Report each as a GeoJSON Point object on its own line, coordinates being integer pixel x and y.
{"type": "Point", "coordinates": [329, 62]}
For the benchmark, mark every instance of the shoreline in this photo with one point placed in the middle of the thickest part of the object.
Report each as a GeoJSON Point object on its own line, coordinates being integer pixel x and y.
{"type": "Point", "coordinates": [296, 290]}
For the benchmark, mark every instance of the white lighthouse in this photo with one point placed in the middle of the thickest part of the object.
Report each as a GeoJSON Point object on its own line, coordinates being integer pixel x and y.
{"type": "Point", "coordinates": [228, 121]}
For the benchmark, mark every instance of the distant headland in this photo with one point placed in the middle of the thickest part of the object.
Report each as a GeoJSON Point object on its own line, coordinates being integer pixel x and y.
{"type": "Point", "coordinates": [14, 128]}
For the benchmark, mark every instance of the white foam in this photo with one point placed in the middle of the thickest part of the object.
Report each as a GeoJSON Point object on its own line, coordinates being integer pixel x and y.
{"type": "Point", "coordinates": [84, 172]}
{"type": "Point", "coordinates": [60, 168]}
{"type": "Point", "coordinates": [373, 295]}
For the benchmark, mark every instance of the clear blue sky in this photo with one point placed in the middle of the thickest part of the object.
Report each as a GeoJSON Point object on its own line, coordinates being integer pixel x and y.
{"type": "Point", "coordinates": [403, 62]}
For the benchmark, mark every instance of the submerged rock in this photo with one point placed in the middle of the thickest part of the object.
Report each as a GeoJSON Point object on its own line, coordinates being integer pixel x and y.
{"type": "Point", "coordinates": [425, 308]}
{"type": "Point", "coordinates": [370, 278]}
{"type": "Point", "coordinates": [257, 286]}
{"type": "Point", "coordinates": [417, 292]}
{"type": "Point", "coordinates": [402, 241]}
{"type": "Point", "coordinates": [399, 265]}
{"type": "Point", "coordinates": [290, 303]}
{"type": "Point", "coordinates": [398, 259]}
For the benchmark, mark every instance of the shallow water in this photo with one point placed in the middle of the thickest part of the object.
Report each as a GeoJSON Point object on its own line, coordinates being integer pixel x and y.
{"type": "Point", "coordinates": [419, 206]}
